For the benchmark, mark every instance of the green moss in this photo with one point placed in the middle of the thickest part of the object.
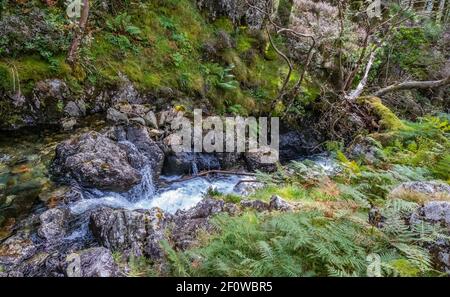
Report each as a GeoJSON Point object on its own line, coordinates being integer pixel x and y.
{"type": "Point", "coordinates": [245, 43]}
{"type": "Point", "coordinates": [224, 24]}
{"type": "Point", "coordinates": [389, 120]}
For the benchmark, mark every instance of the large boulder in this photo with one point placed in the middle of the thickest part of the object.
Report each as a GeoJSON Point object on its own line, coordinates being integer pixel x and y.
{"type": "Point", "coordinates": [94, 161]}
{"type": "Point", "coordinates": [135, 233]}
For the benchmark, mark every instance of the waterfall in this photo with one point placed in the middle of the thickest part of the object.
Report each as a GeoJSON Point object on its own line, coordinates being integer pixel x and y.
{"type": "Point", "coordinates": [144, 190]}
{"type": "Point", "coordinates": [194, 168]}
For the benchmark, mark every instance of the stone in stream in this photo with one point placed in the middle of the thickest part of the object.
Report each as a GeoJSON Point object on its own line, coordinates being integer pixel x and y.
{"type": "Point", "coordinates": [53, 224]}
{"type": "Point", "coordinates": [94, 161]}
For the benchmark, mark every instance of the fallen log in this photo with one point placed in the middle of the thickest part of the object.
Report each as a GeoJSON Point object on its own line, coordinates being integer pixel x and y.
{"type": "Point", "coordinates": [413, 85]}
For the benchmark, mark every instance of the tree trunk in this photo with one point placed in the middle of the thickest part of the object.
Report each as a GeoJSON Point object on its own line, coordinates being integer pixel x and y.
{"type": "Point", "coordinates": [413, 85]}
{"type": "Point", "coordinates": [362, 84]}
{"type": "Point", "coordinates": [72, 56]}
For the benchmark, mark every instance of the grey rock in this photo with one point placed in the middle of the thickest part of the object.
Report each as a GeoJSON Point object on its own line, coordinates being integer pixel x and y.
{"type": "Point", "coordinates": [15, 249]}
{"type": "Point", "coordinates": [93, 262]}
{"type": "Point", "coordinates": [433, 212]}
{"type": "Point", "coordinates": [246, 188]}
{"type": "Point", "coordinates": [187, 223]}
{"type": "Point", "coordinates": [94, 161]}
{"type": "Point", "coordinates": [138, 120]}
{"type": "Point", "coordinates": [237, 10]}
{"type": "Point", "coordinates": [116, 116]}
{"type": "Point", "coordinates": [68, 124]}
{"type": "Point", "coordinates": [259, 161]}
{"type": "Point", "coordinates": [366, 149]}
{"type": "Point", "coordinates": [126, 92]}
{"type": "Point", "coordinates": [426, 190]}
{"type": "Point", "coordinates": [278, 203]}
{"type": "Point", "coordinates": [74, 109]}
{"type": "Point", "coordinates": [137, 232]}
{"type": "Point", "coordinates": [257, 205]}
{"type": "Point", "coordinates": [53, 224]}
{"type": "Point", "coordinates": [151, 152]}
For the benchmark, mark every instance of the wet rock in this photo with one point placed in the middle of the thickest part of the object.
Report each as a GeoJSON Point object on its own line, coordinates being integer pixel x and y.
{"type": "Point", "coordinates": [278, 203]}
{"type": "Point", "coordinates": [141, 140]}
{"type": "Point", "coordinates": [190, 163]}
{"type": "Point", "coordinates": [53, 224]}
{"type": "Point", "coordinates": [94, 161]}
{"type": "Point", "coordinates": [93, 262]}
{"type": "Point", "coordinates": [294, 144]}
{"type": "Point", "coordinates": [257, 205]}
{"type": "Point", "coordinates": [61, 195]}
{"type": "Point", "coordinates": [421, 191]}
{"type": "Point", "coordinates": [133, 232]}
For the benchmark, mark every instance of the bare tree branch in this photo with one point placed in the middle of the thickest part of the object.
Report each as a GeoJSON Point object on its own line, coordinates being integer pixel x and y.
{"type": "Point", "coordinates": [72, 56]}
{"type": "Point", "coordinates": [413, 85]}
{"type": "Point", "coordinates": [362, 84]}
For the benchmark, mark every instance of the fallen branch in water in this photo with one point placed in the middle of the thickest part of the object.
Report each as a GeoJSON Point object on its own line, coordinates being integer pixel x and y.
{"type": "Point", "coordinates": [204, 173]}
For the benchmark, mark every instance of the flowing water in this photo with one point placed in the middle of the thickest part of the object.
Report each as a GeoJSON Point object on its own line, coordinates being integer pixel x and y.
{"type": "Point", "coordinates": [25, 182]}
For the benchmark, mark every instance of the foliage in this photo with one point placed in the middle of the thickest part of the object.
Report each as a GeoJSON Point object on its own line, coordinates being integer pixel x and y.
{"type": "Point", "coordinates": [307, 243]}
